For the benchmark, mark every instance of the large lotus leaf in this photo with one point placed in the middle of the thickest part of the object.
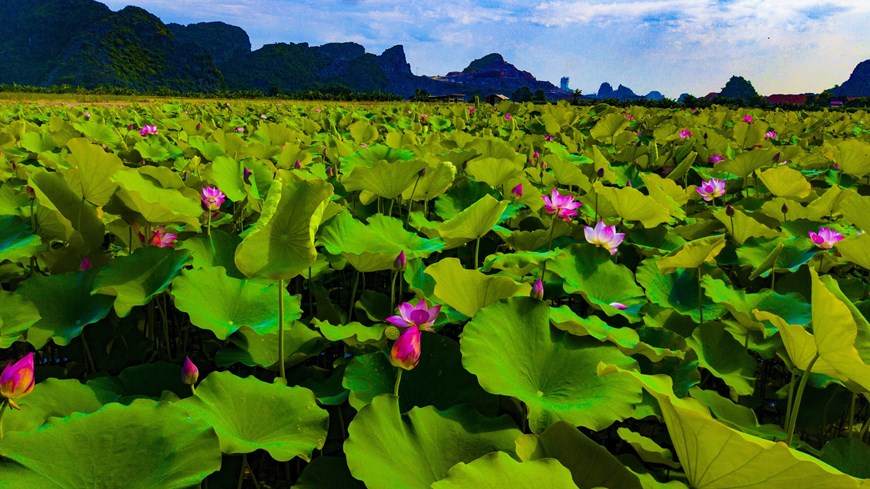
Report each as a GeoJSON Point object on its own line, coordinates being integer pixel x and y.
{"type": "Point", "coordinates": [800, 344]}
{"type": "Point", "coordinates": [327, 472]}
{"type": "Point", "coordinates": [55, 398]}
{"type": "Point", "coordinates": [692, 254]}
{"type": "Point", "coordinates": [438, 380]}
{"type": "Point", "coordinates": [158, 195]}
{"type": "Point", "coordinates": [677, 291]}
{"type": "Point", "coordinates": [135, 279]}
{"type": "Point", "coordinates": [156, 149]}
{"type": "Point", "coordinates": [567, 173]}
{"type": "Point", "coordinates": [90, 171]}
{"type": "Point", "coordinates": [372, 155]}
{"type": "Point", "coordinates": [216, 250]}
{"type": "Point", "coordinates": [513, 351]}
{"type": "Point", "coordinates": [64, 215]}
{"type": "Point", "coordinates": [468, 291]}
{"type": "Point", "coordinates": [250, 348]}
{"type": "Point", "coordinates": [498, 470]}
{"type": "Point", "coordinates": [742, 227]}
{"type": "Point", "coordinates": [746, 162]}
{"type": "Point", "coordinates": [747, 135]}
{"type": "Point", "coordinates": [361, 333]}
{"type": "Point", "coordinates": [792, 307]}
{"type": "Point", "coordinates": [473, 222]}
{"type": "Point", "coordinates": [65, 304]}
{"type": "Point", "coordinates": [783, 181]}
{"type": "Point", "coordinates": [375, 246]}
{"type": "Point", "coordinates": [37, 141]}
{"type": "Point", "coordinates": [716, 456]}
{"type": "Point", "coordinates": [494, 171]}
{"type": "Point", "coordinates": [667, 193]}
{"type": "Point", "coordinates": [16, 239]}
{"type": "Point", "coordinates": [855, 209]}
{"type": "Point", "coordinates": [17, 315]}
{"type": "Point", "coordinates": [590, 464]}
{"type": "Point", "coordinates": [776, 255]}
{"type": "Point", "coordinates": [590, 272]}
{"type": "Point", "coordinates": [856, 250]}
{"type": "Point", "coordinates": [849, 455]}
{"type": "Point", "coordinates": [647, 449]}
{"type": "Point", "coordinates": [719, 353]}
{"type": "Point", "coordinates": [100, 133]}
{"type": "Point", "coordinates": [853, 157]}
{"type": "Point", "coordinates": [435, 182]}
{"type": "Point", "coordinates": [609, 126]}
{"type": "Point", "coordinates": [249, 414]}
{"type": "Point", "coordinates": [384, 179]}
{"type": "Point", "coordinates": [229, 175]}
{"type": "Point", "coordinates": [387, 450]}
{"type": "Point", "coordinates": [630, 204]}
{"type": "Point", "coordinates": [280, 245]}
{"type": "Point", "coordinates": [222, 304]}
{"type": "Point", "coordinates": [143, 445]}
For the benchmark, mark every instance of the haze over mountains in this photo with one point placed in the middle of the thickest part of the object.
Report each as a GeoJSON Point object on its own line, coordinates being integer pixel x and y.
{"type": "Point", "coordinates": [84, 43]}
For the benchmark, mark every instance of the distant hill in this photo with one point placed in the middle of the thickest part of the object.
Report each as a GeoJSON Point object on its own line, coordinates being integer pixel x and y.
{"type": "Point", "coordinates": [858, 84]}
{"type": "Point", "coordinates": [222, 41]}
{"type": "Point", "coordinates": [738, 87]}
{"type": "Point", "coordinates": [492, 74]}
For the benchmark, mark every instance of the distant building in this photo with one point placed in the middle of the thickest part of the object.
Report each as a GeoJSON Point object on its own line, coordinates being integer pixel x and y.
{"type": "Point", "coordinates": [778, 99]}
{"type": "Point", "coordinates": [563, 84]}
{"type": "Point", "coordinates": [450, 97]}
{"type": "Point", "coordinates": [495, 98]}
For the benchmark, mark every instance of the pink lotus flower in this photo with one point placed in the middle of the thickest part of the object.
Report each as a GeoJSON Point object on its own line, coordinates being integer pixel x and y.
{"type": "Point", "coordinates": [17, 379]}
{"type": "Point", "coordinates": [88, 115]}
{"type": "Point", "coordinates": [716, 158]}
{"type": "Point", "coordinates": [189, 372]}
{"type": "Point", "coordinates": [240, 129]}
{"type": "Point", "coordinates": [711, 189]}
{"type": "Point", "coordinates": [604, 236]}
{"type": "Point", "coordinates": [770, 135]}
{"type": "Point", "coordinates": [747, 119]}
{"type": "Point", "coordinates": [826, 238]}
{"type": "Point", "coordinates": [537, 291]}
{"type": "Point", "coordinates": [561, 205]}
{"type": "Point", "coordinates": [405, 352]}
{"type": "Point", "coordinates": [518, 190]}
{"type": "Point", "coordinates": [618, 305]}
{"type": "Point", "coordinates": [685, 134]}
{"type": "Point", "coordinates": [548, 138]}
{"type": "Point", "coordinates": [263, 116]}
{"type": "Point", "coordinates": [629, 117]}
{"type": "Point", "coordinates": [212, 198]}
{"type": "Point", "coordinates": [317, 110]}
{"type": "Point", "coordinates": [147, 130]}
{"type": "Point", "coordinates": [400, 262]}
{"type": "Point", "coordinates": [508, 116]}
{"type": "Point", "coordinates": [85, 264]}
{"type": "Point", "coordinates": [162, 239]}
{"type": "Point", "coordinates": [471, 111]}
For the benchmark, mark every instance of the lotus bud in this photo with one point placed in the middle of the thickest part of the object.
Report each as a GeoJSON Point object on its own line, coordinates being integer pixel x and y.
{"type": "Point", "coordinates": [400, 262]}
{"type": "Point", "coordinates": [406, 350]}
{"type": "Point", "coordinates": [600, 172]}
{"type": "Point", "coordinates": [189, 372]}
{"type": "Point", "coordinates": [85, 264]}
{"type": "Point", "coordinates": [784, 208]}
{"type": "Point", "coordinates": [17, 379]}
{"type": "Point", "coordinates": [729, 210]}
{"type": "Point", "coordinates": [618, 305]}
{"type": "Point", "coordinates": [31, 194]}
{"type": "Point", "coordinates": [297, 165]}
{"type": "Point", "coordinates": [537, 291]}
{"type": "Point", "coordinates": [330, 171]}
{"type": "Point", "coordinates": [246, 175]}
{"type": "Point", "coordinates": [518, 190]}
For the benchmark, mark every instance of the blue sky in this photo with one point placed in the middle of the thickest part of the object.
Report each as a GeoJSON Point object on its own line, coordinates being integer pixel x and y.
{"type": "Point", "coordinates": [694, 46]}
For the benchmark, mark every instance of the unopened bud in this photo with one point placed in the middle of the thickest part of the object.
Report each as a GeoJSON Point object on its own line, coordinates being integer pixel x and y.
{"type": "Point", "coordinates": [537, 291]}
{"type": "Point", "coordinates": [601, 172]}
{"type": "Point", "coordinates": [729, 210]}
{"type": "Point", "coordinates": [189, 372]}
{"type": "Point", "coordinates": [400, 262]}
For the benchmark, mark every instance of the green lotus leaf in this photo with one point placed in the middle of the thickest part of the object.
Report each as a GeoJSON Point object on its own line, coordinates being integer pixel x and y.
{"type": "Point", "coordinates": [52, 398]}
{"type": "Point", "coordinates": [590, 272]}
{"type": "Point", "coordinates": [249, 414]}
{"type": "Point", "coordinates": [856, 250]}
{"type": "Point", "coordinates": [519, 328]}
{"type": "Point", "coordinates": [158, 195]}
{"type": "Point", "coordinates": [98, 132]}
{"type": "Point", "coordinates": [854, 208]}
{"type": "Point", "coordinates": [567, 173]}
{"type": "Point", "coordinates": [208, 149]}
{"type": "Point", "coordinates": [692, 254]}
{"type": "Point", "coordinates": [647, 449]}
{"type": "Point", "coordinates": [143, 445]}
{"type": "Point", "coordinates": [64, 215]}
{"type": "Point", "coordinates": [380, 436]}
{"type": "Point", "coordinates": [849, 455]}
{"type": "Point", "coordinates": [327, 472]}
{"type": "Point", "coordinates": [473, 222]}
{"type": "Point", "coordinates": [12, 202]}
{"type": "Point", "coordinates": [629, 204]}
{"type": "Point", "coordinates": [533, 240]}
{"type": "Point", "coordinates": [677, 291]}
{"type": "Point", "coordinates": [361, 333]}
{"type": "Point", "coordinates": [747, 135]}
{"type": "Point", "coordinates": [438, 380]}
{"type": "Point", "coordinates": [228, 175]}
{"type": "Point", "coordinates": [16, 239]}
{"type": "Point", "coordinates": [742, 227]}
{"type": "Point", "coordinates": [684, 164]}
{"type": "Point", "coordinates": [280, 245]}
{"type": "Point", "coordinates": [792, 307]}
{"type": "Point", "coordinates": [17, 315]}
{"type": "Point", "coordinates": [667, 193]}
{"type": "Point", "coordinates": [494, 171]}
{"type": "Point", "coordinates": [216, 250]}
{"type": "Point", "coordinates": [735, 415]}
{"type": "Point", "coordinates": [609, 126]}
{"type": "Point", "coordinates": [155, 149]}
{"type": "Point", "coordinates": [223, 304]}
{"type": "Point", "coordinates": [779, 255]}
{"type": "Point", "coordinates": [852, 156]}
{"type": "Point", "coordinates": [783, 181]}
{"type": "Point", "coordinates": [799, 343]}
{"type": "Point", "coordinates": [251, 348]}
{"type": "Point", "coordinates": [375, 246]}
{"type": "Point", "coordinates": [498, 469]}
{"type": "Point", "coordinates": [746, 162]}
{"type": "Point", "coordinates": [384, 179]}
{"type": "Point", "coordinates": [723, 357]}
{"type": "Point", "coordinates": [37, 141]}
{"type": "Point", "coordinates": [135, 279]}
{"type": "Point", "coordinates": [590, 464]}
{"type": "Point", "coordinates": [65, 304]}
{"type": "Point", "coordinates": [468, 291]}
{"type": "Point", "coordinates": [90, 171]}
{"type": "Point", "coordinates": [372, 155]}
{"type": "Point", "coordinates": [435, 182]}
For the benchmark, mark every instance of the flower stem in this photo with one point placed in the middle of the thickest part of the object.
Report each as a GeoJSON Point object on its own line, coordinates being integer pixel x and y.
{"type": "Point", "coordinates": [549, 244]}
{"type": "Point", "coordinates": [352, 295]}
{"type": "Point", "coordinates": [797, 401]}
{"type": "Point", "coordinates": [788, 406]}
{"type": "Point", "coordinates": [398, 380]}
{"type": "Point", "coordinates": [193, 389]}
{"type": "Point", "coordinates": [281, 330]}
{"type": "Point", "coordinates": [393, 288]}
{"type": "Point", "coordinates": [3, 404]}
{"type": "Point", "coordinates": [700, 299]}
{"type": "Point", "coordinates": [411, 199]}
{"type": "Point", "coordinates": [476, 253]}
{"type": "Point", "coordinates": [852, 414]}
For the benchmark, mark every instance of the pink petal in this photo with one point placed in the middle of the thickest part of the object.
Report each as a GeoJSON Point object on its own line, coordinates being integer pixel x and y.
{"type": "Point", "coordinates": [398, 321]}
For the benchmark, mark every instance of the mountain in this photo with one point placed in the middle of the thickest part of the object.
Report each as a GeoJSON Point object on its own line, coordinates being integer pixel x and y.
{"type": "Point", "coordinates": [858, 84]}
{"type": "Point", "coordinates": [606, 91]}
{"type": "Point", "coordinates": [738, 88]}
{"type": "Point", "coordinates": [492, 74]}
{"type": "Point", "coordinates": [222, 41]}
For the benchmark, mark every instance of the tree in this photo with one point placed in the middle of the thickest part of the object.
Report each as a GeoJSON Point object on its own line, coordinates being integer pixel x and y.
{"type": "Point", "coordinates": [522, 94]}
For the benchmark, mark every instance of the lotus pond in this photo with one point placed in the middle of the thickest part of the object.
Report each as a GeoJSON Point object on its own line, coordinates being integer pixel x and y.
{"type": "Point", "coordinates": [252, 294]}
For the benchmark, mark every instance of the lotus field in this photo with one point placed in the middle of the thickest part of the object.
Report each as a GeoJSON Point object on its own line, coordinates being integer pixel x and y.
{"type": "Point", "coordinates": [251, 294]}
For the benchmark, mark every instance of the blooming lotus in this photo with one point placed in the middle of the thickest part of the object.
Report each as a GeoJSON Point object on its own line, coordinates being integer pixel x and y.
{"type": "Point", "coordinates": [711, 189]}
{"type": "Point", "coordinates": [471, 111]}
{"type": "Point", "coordinates": [212, 198]}
{"type": "Point", "coordinates": [826, 238]}
{"type": "Point", "coordinates": [508, 116]}
{"type": "Point", "coordinates": [604, 236]}
{"type": "Point", "coordinates": [162, 239]}
{"type": "Point", "coordinates": [405, 352]}
{"type": "Point", "coordinates": [548, 138]}
{"type": "Point", "coordinates": [685, 134]}
{"type": "Point", "coordinates": [561, 205]}
{"type": "Point", "coordinates": [716, 158]}
{"type": "Point", "coordinates": [189, 372]}
{"type": "Point", "coordinates": [147, 130]}
{"type": "Point", "coordinates": [17, 379]}
{"type": "Point", "coordinates": [770, 135]}
{"type": "Point", "coordinates": [747, 119]}
{"type": "Point", "coordinates": [518, 190]}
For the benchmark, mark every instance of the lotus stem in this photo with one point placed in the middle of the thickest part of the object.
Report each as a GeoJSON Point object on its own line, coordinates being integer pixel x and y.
{"type": "Point", "coordinates": [700, 299]}
{"type": "Point", "coordinates": [411, 199]}
{"type": "Point", "coordinates": [87, 352]}
{"type": "Point", "coordinates": [3, 404]}
{"type": "Point", "coordinates": [393, 274]}
{"type": "Point", "coordinates": [476, 253]}
{"type": "Point", "coordinates": [352, 295]}
{"type": "Point", "coordinates": [390, 212]}
{"type": "Point", "coordinates": [281, 371]}
{"type": "Point", "coordinates": [797, 401]}
{"type": "Point", "coordinates": [549, 244]}
{"type": "Point", "coordinates": [398, 380]}
{"type": "Point", "coordinates": [310, 298]}
{"type": "Point", "coordinates": [788, 407]}
{"type": "Point", "coordinates": [852, 414]}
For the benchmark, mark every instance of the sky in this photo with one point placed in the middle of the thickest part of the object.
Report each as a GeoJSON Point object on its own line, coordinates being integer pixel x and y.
{"type": "Point", "coordinates": [680, 46]}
